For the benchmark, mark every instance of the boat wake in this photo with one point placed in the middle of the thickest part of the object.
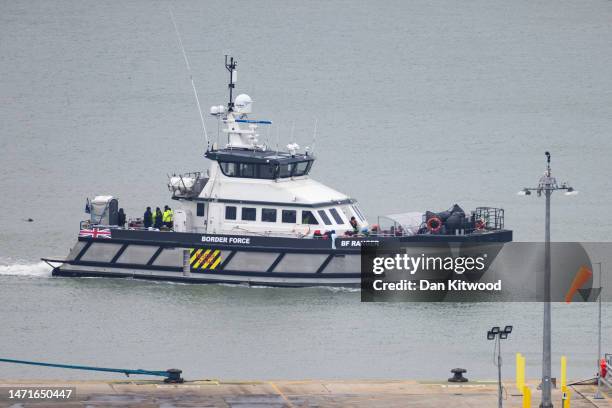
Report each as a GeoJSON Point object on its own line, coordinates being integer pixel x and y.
{"type": "Point", "coordinates": [40, 269]}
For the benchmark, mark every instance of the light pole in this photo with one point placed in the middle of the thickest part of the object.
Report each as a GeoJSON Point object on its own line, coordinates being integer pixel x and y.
{"type": "Point", "coordinates": [598, 393]}
{"type": "Point", "coordinates": [547, 185]}
{"type": "Point", "coordinates": [498, 335]}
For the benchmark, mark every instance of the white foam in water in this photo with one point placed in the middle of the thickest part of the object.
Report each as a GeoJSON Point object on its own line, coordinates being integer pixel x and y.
{"type": "Point", "coordinates": [26, 269]}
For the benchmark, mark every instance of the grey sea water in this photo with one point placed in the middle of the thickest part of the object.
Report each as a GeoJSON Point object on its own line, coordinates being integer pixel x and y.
{"type": "Point", "coordinates": [419, 105]}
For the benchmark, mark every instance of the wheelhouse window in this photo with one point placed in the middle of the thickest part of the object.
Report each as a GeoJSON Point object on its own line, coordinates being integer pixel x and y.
{"type": "Point", "coordinates": [230, 212]}
{"type": "Point", "coordinates": [268, 214]}
{"type": "Point", "coordinates": [267, 171]}
{"type": "Point", "coordinates": [309, 218]}
{"type": "Point", "coordinates": [200, 209]}
{"type": "Point", "coordinates": [247, 170]}
{"type": "Point", "coordinates": [229, 169]}
{"type": "Point", "coordinates": [302, 168]}
{"type": "Point", "coordinates": [336, 216]}
{"type": "Point", "coordinates": [289, 216]}
{"type": "Point", "coordinates": [324, 217]}
{"type": "Point", "coordinates": [286, 170]}
{"type": "Point", "coordinates": [249, 214]}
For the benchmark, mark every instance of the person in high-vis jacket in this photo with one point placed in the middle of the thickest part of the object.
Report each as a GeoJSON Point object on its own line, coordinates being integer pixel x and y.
{"type": "Point", "coordinates": [168, 217]}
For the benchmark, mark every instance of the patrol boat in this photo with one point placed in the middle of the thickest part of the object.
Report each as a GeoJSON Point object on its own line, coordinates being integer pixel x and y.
{"type": "Point", "coordinates": [256, 217]}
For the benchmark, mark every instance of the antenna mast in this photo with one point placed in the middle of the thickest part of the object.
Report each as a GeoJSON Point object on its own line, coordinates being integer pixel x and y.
{"type": "Point", "coordinates": [314, 135]}
{"type": "Point", "coordinates": [230, 65]}
{"type": "Point", "coordinates": [195, 92]}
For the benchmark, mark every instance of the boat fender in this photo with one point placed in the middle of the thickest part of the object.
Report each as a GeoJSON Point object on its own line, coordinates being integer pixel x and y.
{"type": "Point", "coordinates": [603, 369]}
{"type": "Point", "coordinates": [434, 224]}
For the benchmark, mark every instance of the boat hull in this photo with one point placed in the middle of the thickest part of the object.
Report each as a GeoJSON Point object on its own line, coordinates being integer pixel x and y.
{"type": "Point", "coordinates": [228, 259]}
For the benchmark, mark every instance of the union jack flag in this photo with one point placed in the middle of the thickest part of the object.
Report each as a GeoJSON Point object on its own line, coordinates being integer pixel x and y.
{"type": "Point", "coordinates": [95, 233]}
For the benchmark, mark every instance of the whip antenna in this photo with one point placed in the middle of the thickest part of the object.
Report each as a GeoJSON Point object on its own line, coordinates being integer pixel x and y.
{"type": "Point", "coordinates": [314, 135]}
{"type": "Point", "coordinates": [195, 92]}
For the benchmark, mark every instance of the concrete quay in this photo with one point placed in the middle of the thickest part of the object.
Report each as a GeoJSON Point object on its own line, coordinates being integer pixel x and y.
{"type": "Point", "coordinates": [287, 394]}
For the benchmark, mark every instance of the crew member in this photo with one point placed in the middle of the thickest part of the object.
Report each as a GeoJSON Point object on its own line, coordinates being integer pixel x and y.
{"type": "Point", "coordinates": [168, 216]}
{"type": "Point", "coordinates": [157, 218]}
{"type": "Point", "coordinates": [121, 219]}
{"type": "Point", "coordinates": [355, 225]}
{"type": "Point", "coordinates": [148, 218]}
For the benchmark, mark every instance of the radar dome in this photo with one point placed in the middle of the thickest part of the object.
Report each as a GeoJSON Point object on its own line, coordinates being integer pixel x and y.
{"type": "Point", "coordinates": [243, 103]}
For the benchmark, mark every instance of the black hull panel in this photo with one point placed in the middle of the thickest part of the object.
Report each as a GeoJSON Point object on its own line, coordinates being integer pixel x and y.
{"type": "Point", "coordinates": [266, 261]}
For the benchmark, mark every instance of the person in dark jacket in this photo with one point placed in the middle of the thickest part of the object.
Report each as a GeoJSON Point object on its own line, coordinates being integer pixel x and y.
{"type": "Point", "coordinates": [158, 219]}
{"type": "Point", "coordinates": [121, 219]}
{"type": "Point", "coordinates": [148, 218]}
{"type": "Point", "coordinates": [355, 225]}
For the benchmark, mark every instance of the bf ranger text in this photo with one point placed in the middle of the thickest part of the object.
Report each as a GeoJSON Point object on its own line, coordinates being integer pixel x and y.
{"type": "Point", "coordinates": [425, 285]}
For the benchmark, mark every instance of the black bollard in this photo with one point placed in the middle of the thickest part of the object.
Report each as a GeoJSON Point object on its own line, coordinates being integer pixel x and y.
{"type": "Point", "coordinates": [174, 376]}
{"type": "Point", "coordinates": [458, 375]}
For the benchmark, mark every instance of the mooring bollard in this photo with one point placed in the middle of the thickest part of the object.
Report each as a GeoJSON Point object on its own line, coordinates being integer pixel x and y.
{"type": "Point", "coordinates": [520, 372]}
{"type": "Point", "coordinates": [526, 397]}
{"type": "Point", "coordinates": [563, 372]}
{"type": "Point", "coordinates": [174, 376]}
{"type": "Point", "coordinates": [458, 375]}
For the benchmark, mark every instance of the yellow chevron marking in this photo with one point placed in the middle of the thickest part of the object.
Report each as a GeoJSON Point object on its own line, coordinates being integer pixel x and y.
{"type": "Point", "coordinates": [211, 258]}
{"type": "Point", "coordinates": [194, 256]}
{"type": "Point", "coordinates": [201, 259]}
{"type": "Point", "coordinates": [214, 265]}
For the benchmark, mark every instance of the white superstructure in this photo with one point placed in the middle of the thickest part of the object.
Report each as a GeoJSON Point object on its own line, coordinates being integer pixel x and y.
{"type": "Point", "coordinates": [250, 189]}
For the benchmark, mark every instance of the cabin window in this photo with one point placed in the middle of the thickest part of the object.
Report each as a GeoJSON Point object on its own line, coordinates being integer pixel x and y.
{"type": "Point", "coordinates": [301, 168]}
{"type": "Point", "coordinates": [268, 214]}
{"type": "Point", "coordinates": [247, 170]}
{"type": "Point", "coordinates": [286, 170]}
{"type": "Point", "coordinates": [309, 218]}
{"type": "Point", "coordinates": [200, 209]}
{"type": "Point", "coordinates": [336, 216]}
{"type": "Point", "coordinates": [289, 216]}
{"type": "Point", "coordinates": [249, 214]}
{"type": "Point", "coordinates": [324, 217]}
{"type": "Point", "coordinates": [229, 169]}
{"type": "Point", "coordinates": [230, 212]}
{"type": "Point", "coordinates": [267, 171]}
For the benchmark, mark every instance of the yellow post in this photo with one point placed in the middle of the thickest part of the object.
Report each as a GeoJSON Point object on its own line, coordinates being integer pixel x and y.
{"type": "Point", "coordinates": [563, 371]}
{"type": "Point", "coordinates": [526, 397]}
{"type": "Point", "coordinates": [520, 371]}
{"type": "Point", "coordinates": [566, 397]}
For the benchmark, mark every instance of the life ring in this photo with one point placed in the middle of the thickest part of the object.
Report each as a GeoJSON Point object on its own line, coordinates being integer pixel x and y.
{"type": "Point", "coordinates": [434, 224]}
{"type": "Point", "coordinates": [480, 224]}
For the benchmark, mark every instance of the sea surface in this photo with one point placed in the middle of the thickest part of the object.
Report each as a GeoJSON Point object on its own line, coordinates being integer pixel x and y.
{"type": "Point", "coordinates": [419, 105]}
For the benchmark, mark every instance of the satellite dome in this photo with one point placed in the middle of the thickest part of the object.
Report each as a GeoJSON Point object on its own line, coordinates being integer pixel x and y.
{"type": "Point", "coordinates": [243, 103]}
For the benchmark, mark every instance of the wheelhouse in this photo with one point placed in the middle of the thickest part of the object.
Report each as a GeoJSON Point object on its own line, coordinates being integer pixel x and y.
{"type": "Point", "coordinates": [265, 165]}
